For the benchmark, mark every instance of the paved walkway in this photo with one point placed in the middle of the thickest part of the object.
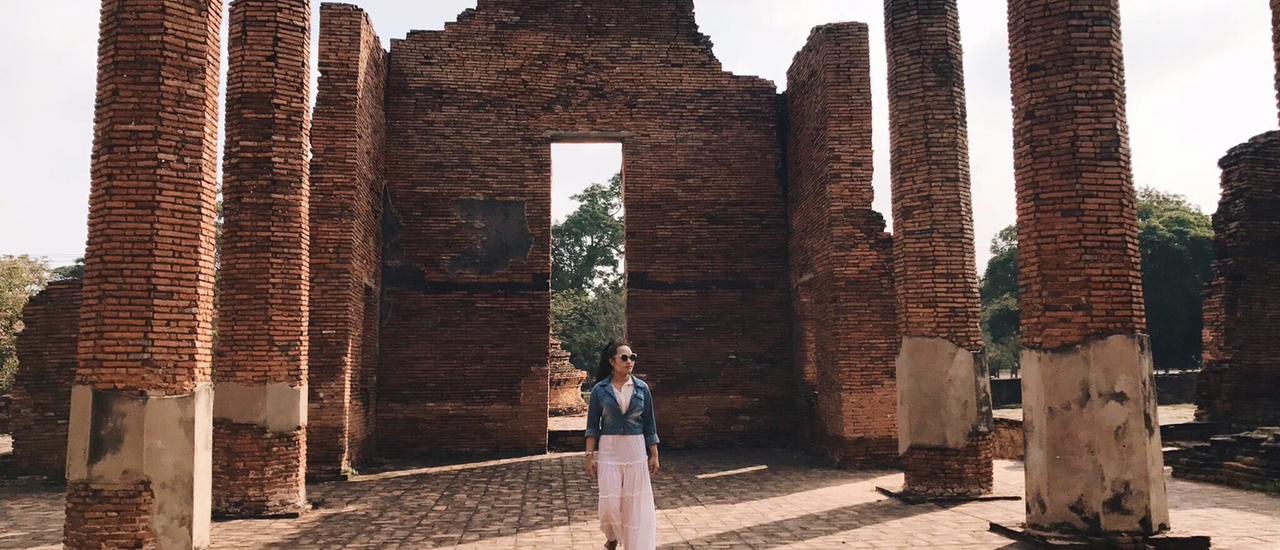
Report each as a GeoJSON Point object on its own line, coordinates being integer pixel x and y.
{"type": "Point", "coordinates": [718, 500]}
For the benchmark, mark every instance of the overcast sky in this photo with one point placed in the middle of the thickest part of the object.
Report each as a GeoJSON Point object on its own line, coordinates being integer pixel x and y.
{"type": "Point", "coordinates": [1199, 82]}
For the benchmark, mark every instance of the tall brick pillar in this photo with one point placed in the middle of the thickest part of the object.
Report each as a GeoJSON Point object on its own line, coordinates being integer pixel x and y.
{"type": "Point", "coordinates": [1093, 461]}
{"type": "Point", "coordinates": [944, 393]}
{"type": "Point", "coordinates": [1241, 374]}
{"type": "Point", "coordinates": [259, 455]}
{"type": "Point", "coordinates": [347, 179]}
{"type": "Point", "coordinates": [140, 432]}
{"type": "Point", "coordinates": [841, 258]}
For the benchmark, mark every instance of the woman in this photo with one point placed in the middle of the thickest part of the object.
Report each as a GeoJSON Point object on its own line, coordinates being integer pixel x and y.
{"type": "Point", "coordinates": [620, 418]}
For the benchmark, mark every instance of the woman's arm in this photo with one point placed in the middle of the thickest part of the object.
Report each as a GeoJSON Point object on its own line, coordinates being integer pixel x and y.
{"type": "Point", "coordinates": [593, 432]}
{"type": "Point", "coordinates": [651, 434]}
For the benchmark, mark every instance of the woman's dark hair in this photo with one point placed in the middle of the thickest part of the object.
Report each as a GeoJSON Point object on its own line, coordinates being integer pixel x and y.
{"type": "Point", "coordinates": [605, 369]}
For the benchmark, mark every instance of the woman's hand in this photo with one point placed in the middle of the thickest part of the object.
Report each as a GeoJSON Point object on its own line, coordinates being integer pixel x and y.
{"type": "Point", "coordinates": [591, 466]}
{"type": "Point", "coordinates": [653, 464]}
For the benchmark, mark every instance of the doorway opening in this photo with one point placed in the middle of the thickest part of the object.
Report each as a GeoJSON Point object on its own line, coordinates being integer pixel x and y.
{"type": "Point", "coordinates": [588, 277]}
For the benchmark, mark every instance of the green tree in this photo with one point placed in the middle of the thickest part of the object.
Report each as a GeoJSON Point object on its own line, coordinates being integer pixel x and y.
{"type": "Point", "coordinates": [21, 277]}
{"type": "Point", "coordinates": [588, 298]}
{"type": "Point", "coordinates": [998, 289]}
{"type": "Point", "coordinates": [73, 271]}
{"type": "Point", "coordinates": [1176, 242]}
{"type": "Point", "coordinates": [586, 248]}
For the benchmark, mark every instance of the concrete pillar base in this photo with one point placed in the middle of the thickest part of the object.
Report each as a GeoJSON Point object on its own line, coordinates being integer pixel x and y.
{"type": "Point", "coordinates": [1094, 464]}
{"type": "Point", "coordinates": [149, 456]}
{"type": "Point", "coordinates": [944, 418]}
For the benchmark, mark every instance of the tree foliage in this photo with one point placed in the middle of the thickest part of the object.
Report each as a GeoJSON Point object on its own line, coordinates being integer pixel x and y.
{"type": "Point", "coordinates": [21, 277]}
{"type": "Point", "coordinates": [1176, 241]}
{"type": "Point", "coordinates": [587, 291]}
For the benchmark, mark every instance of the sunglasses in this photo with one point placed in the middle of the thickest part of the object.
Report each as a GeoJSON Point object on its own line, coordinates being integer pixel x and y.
{"type": "Point", "coordinates": [629, 358]}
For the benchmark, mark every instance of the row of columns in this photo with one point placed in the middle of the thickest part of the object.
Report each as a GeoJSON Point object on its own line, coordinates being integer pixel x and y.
{"type": "Point", "coordinates": [1093, 457]}
{"type": "Point", "coordinates": [141, 450]}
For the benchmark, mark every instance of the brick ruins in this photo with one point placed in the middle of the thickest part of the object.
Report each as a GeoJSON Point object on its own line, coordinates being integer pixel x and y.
{"type": "Point", "coordinates": [1241, 372]}
{"type": "Point", "coordinates": [564, 393]}
{"type": "Point", "coordinates": [413, 253]}
{"type": "Point", "coordinates": [42, 387]}
{"type": "Point", "coordinates": [841, 271]}
{"type": "Point", "coordinates": [259, 437]}
{"type": "Point", "coordinates": [944, 428]}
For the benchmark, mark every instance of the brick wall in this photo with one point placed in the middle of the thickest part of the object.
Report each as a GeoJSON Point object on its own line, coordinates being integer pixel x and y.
{"type": "Point", "coordinates": [42, 388]}
{"type": "Point", "coordinates": [147, 293]}
{"type": "Point", "coordinates": [473, 111]}
{"type": "Point", "coordinates": [1076, 203]}
{"type": "Point", "coordinates": [262, 308]}
{"type": "Point", "coordinates": [933, 244]}
{"type": "Point", "coordinates": [841, 268]}
{"type": "Point", "coordinates": [1242, 305]}
{"type": "Point", "coordinates": [347, 140]}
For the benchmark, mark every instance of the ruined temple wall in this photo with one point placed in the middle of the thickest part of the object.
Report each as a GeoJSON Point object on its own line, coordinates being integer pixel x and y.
{"type": "Point", "coordinates": [841, 265]}
{"type": "Point", "coordinates": [347, 139]}
{"type": "Point", "coordinates": [1241, 374]}
{"type": "Point", "coordinates": [473, 111]}
{"type": "Point", "coordinates": [42, 386]}
{"type": "Point", "coordinates": [1275, 45]}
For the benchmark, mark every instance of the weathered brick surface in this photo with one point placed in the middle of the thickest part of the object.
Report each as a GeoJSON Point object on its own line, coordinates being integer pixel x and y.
{"type": "Point", "coordinates": [347, 140]}
{"type": "Point", "coordinates": [147, 299]}
{"type": "Point", "coordinates": [951, 472]}
{"type": "Point", "coordinates": [262, 324]}
{"type": "Point", "coordinates": [841, 263]}
{"type": "Point", "coordinates": [42, 388]}
{"type": "Point", "coordinates": [1078, 260]}
{"type": "Point", "coordinates": [1007, 440]}
{"type": "Point", "coordinates": [473, 111]}
{"type": "Point", "coordinates": [933, 244]}
{"type": "Point", "coordinates": [1241, 374]}
{"type": "Point", "coordinates": [102, 516]}
{"type": "Point", "coordinates": [1250, 460]}
{"type": "Point", "coordinates": [147, 293]}
{"type": "Point", "coordinates": [257, 472]}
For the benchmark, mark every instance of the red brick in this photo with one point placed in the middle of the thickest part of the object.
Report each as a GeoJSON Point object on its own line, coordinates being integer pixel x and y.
{"type": "Point", "coordinates": [47, 349]}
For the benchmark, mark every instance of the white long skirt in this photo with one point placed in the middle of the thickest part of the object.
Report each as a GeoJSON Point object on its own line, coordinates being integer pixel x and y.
{"type": "Point", "coordinates": [626, 497]}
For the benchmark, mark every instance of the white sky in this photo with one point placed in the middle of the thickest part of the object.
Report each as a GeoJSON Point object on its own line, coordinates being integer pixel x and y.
{"type": "Point", "coordinates": [1199, 82]}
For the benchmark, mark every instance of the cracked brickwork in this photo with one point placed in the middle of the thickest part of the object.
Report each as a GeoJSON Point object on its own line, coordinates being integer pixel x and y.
{"type": "Point", "coordinates": [1241, 374]}
{"type": "Point", "coordinates": [264, 277]}
{"type": "Point", "coordinates": [934, 267]}
{"type": "Point", "coordinates": [42, 387]}
{"type": "Point", "coordinates": [473, 110]}
{"type": "Point", "coordinates": [147, 295]}
{"type": "Point", "coordinates": [841, 258]}
{"type": "Point", "coordinates": [347, 138]}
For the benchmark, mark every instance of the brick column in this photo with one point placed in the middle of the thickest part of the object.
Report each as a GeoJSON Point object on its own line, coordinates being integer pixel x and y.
{"type": "Point", "coordinates": [841, 258]}
{"type": "Point", "coordinates": [348, 142]}
{"type": "Point", "coordinates": [140, 433]}
{"type": "Point", "coordinates": [259, 455]}
{"type": "Point", "coordinates": [1241, 374]}
{"type": "Point", "coordinates": [1093, 460]}
{"type": "Point", "coordinates": [944, 393]}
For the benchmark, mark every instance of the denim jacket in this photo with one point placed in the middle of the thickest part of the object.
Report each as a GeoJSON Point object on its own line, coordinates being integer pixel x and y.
{"type": "Point", "coordinates": [605, 416]}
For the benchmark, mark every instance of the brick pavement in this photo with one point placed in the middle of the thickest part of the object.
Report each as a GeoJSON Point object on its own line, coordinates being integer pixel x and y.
{"type": "Point", "coordinates": [707, 500]}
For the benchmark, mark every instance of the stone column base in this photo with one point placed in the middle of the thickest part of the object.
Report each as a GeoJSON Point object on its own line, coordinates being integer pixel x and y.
{"type": "Point", "coordinates": [139, 469]}
{"type": "Point", "coordinates": [940, 472]}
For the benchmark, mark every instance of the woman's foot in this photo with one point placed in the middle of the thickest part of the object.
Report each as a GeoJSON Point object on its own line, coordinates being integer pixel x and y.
{"type": "Point", "coordinates": [611, 545]}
